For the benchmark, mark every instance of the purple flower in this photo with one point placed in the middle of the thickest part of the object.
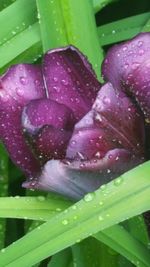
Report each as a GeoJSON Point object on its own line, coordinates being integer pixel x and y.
{"type": "Point", "coordinates": [127, 67]}
{"type": "Point", "coordinates": [68, 133]}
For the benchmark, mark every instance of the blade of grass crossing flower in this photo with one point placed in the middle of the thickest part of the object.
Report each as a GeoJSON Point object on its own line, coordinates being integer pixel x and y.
{"type": "Point", "coordinates": [68, 22]}
{"type": "Point", "coordinates": [62, 258]}
{"type": "Point", "coordinates": [122, 29]}
{"type": "Point", "coordinates": [3, 189]}
{"type": "Point", "coordinates": [131, 190]}
{"type": "Point", "coordinates": [21, 207]}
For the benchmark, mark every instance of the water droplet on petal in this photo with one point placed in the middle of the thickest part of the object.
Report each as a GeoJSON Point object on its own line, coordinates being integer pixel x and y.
{"type": "Point", "coordinates": [73, 142]}
{"type": "Point", "coordinates": [106, 100]}
{"type": "Point", "coordinates": [126, 66]}
{"type": "Point", "coordinates": [98, 155]}
{"type": "Point", "coordinates": [64, 82]}
{"type": "Point", "coordinates": [55, 79]}
{"type": "Point", "coordinates": [19, 92]}
{"type": "Point", "coordinates": [124, 48]}
{"type": "Point", "coordinates": [140, 43]}
{"type": "Point", "coordinates": [23, 80]}
{"type": "Point", "coordinates": [141, 52]}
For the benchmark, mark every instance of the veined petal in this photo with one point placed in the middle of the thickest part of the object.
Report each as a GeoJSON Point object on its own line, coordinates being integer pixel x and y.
{"type": "Point", "coordinates": [48, 127]}
{"type": "Point", "coordinates": [58, 177]}
{"type": "Point", "coordinates": [113, 122]}
{"type": "Point", "coordinates": [40, 112]}
{"type": "Point", "coordinates": [48, 143]}
{"type": "Point", "coordinates": [76, 178]}
{"type": "Point", "coordinates": [138, 84]}
{"type": "Point", "coordinates": [70, 79]}
{"type": "Point", "coordinates": [18, 86]}
{"type": "Point", "coordinates": [127, 67]}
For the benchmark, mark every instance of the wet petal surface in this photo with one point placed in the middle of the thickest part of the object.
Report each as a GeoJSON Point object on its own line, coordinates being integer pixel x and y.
{"type": "Point", "coordinates": [47, 112]}
{"type": "Point", "coordinates": [113, 122]}
{"type": "Point", "coordinates": [138, 84]}
{"type": "Point", "coordinates": [122, 59]}
{"type": "Point", "coordinates": [127, 67]}
{"type": "Point", "coordinates": [18, 86]}
{"type": "Point", "coordinates": [48, 126]}
{"type": "Point", "coordinates": [70, 79]}
{"type": "Point", "coordinates": [75, 178]}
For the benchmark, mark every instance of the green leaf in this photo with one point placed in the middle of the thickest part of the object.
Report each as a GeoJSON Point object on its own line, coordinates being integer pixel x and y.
{"type": "Point", "coordinates": [97, 211]}
{"type": "Point", "coordinates": [122, 29]}
{"type": "Point", "coordinates": [53, 32]}
{"type": "Point", "coordinates": [36, 208]}
{"type": "Point", "coordinates": [91, 252]}
{"type": "Point", "coordinates": [99, 4]}
{"type": "Point", "coordinates": [62, 259]}
{"type": "Point", "coordinates": [5, 3]}
{"type": "Point", "coordinates": [14, 24]}
{"type": "Point", "coordinates": [146, 27]}
{"type": "Point", "coordinates": [19, 44]}
{"type": "Point", "coordinates": [123, 242]}
{"type": "Point", "coordinates": [137, 227]}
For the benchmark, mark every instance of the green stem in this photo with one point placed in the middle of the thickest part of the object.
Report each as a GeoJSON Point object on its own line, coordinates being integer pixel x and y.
{"type": "Point", "coordinates": [69, 22]}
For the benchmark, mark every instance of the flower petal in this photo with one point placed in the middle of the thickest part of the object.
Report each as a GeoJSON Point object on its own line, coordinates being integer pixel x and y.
{"type": "Point", "coordinates": [113, 122]}
{"type": "Point", "coordinates": [121, 60]}
{"type": "Point", "coordinates": [138, 84]}
{"type": "Point", "coordinates": [48, 126]}
{"type": "Point", "coordinates": [75, 179]}
{"type": "Point", "coordinates": [70, 79]}
{"type": "Point", "coordinates": [18, 86]}
{"type": "Point", "coordinates": [42, 112]}
{"type": "Point", "coordinates": [58, 177]}
{"type": "Point", "coordinates": [49, 143]}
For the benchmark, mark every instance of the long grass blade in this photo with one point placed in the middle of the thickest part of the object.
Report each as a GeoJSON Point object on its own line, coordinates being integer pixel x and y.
{"type": "Point", "coordinates": [86, 217]}
{"type": "Point", "coordinates": [122, 29]}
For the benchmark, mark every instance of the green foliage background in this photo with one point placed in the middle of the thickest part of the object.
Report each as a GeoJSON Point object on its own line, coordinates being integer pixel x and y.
{"type": "Point", "coordinates": [105, 228]}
